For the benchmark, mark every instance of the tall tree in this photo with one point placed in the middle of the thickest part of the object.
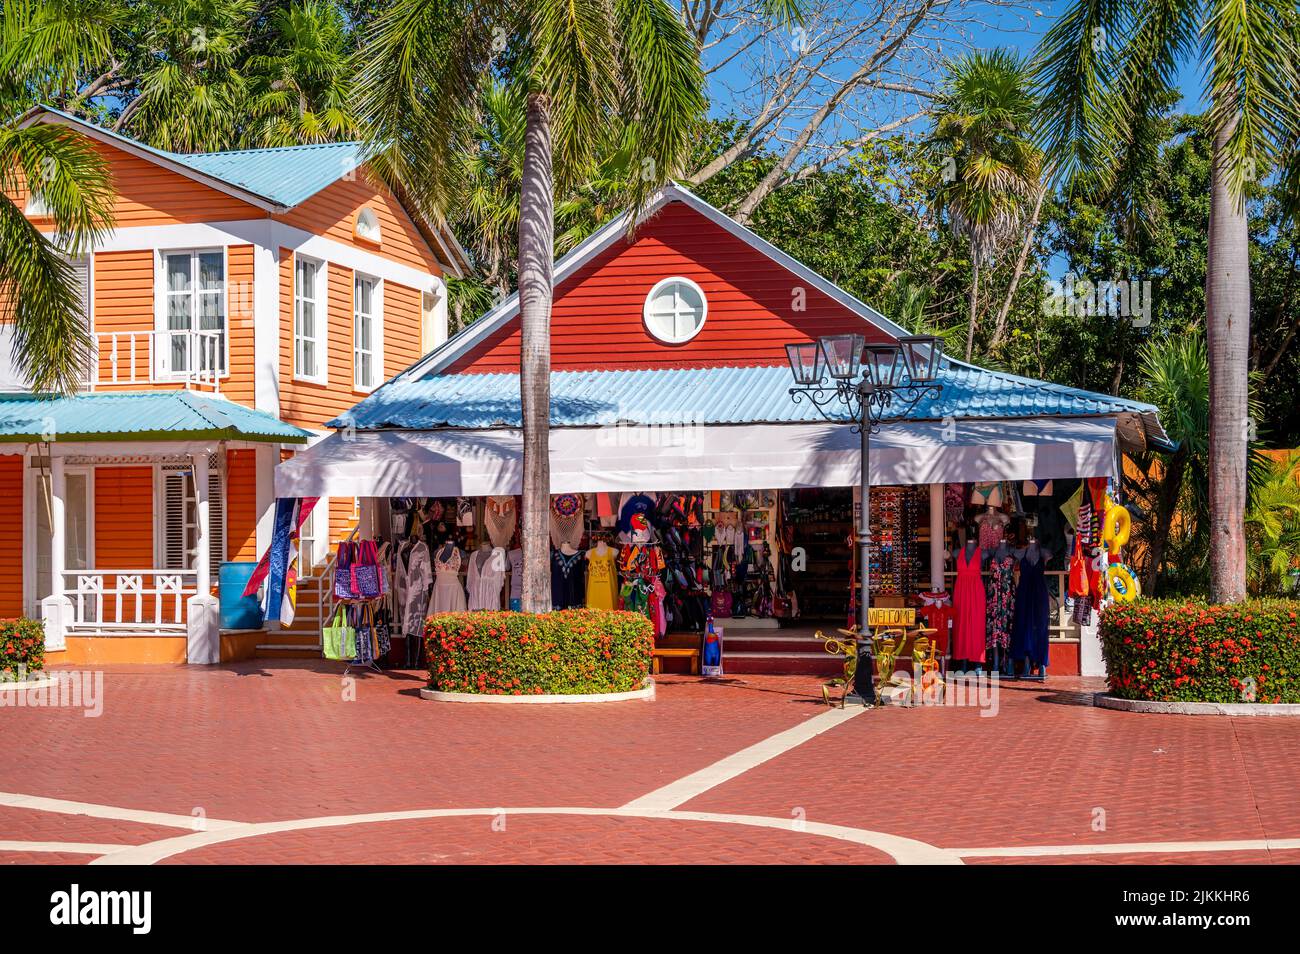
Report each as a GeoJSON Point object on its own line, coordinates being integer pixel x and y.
{"type": "Point", "coordinates": [580, 64]}
{"type": "Point", "coordinates": [989, 166]}
{"type": "Point", "coordinates": [57, 177]}
{"type": "Point", "coordinates": [1105, 68]}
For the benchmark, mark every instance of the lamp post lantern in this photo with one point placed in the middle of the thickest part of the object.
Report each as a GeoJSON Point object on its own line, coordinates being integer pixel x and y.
{"type": "Point", "coordinates": [873, 383]}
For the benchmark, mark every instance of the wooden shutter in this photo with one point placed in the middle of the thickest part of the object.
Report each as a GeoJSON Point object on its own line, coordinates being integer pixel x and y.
{"type": "Point", "coordinates": [216, 518]}
{"type": "Point", "coordinates": [176, 527]}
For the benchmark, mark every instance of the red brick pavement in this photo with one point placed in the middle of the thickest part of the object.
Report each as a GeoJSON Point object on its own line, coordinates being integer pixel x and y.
{"type": "Point", "coordinates": [538, 839]}
{"type": "Point", "coordinates": [274, 741]}
{"type": "Point", "coordinates": [1037, 773]}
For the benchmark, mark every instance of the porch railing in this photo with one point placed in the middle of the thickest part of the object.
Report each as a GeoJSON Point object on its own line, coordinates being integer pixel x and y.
{"type": "Point", "coordinates": [195, 359]}
{"type": "Point", "coordinates": [129, 600]}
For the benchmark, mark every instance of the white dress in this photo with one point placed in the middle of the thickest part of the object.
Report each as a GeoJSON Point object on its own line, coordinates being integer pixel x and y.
{"type": "Point", "coordinates": [448, 593]}
{"type": "Point", "coordinates": [487, 576]}
{"type": "Point", "coordinates": [413, 580]}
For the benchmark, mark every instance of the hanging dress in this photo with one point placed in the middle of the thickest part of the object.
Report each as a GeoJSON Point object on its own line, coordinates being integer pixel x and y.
{"type": "Point", "coordinates": [1033, 614]}
{"type": "Point", "coordinates": [448, 594]}
{"type": "Point", "coordinates": [602, 580]}
{"type": "Point", "coordinates": [486, 579]}
{"type": "Point", "coordinates": [566, 580]}
{"type": "Point", "coordinates": [968, 598]}
{"type": "Point", "coordinates": [1000, 602]}
{"type": "Point", "coordinates": [416, 581]}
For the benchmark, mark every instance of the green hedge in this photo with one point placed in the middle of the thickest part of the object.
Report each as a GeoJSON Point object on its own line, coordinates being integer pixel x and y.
{"type": "Point", "coordinates": [1181, 651]}
{"type": "Point", "coordinates": [22, 647]}
{"type": "Point", "coordinates": [562, 653]}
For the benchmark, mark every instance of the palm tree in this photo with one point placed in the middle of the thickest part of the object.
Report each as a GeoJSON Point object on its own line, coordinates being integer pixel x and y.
{"type": "Point", "coordinates": [988, 164]}
{"type": "Point", "coordinates": [579, 64]}
{"type": "Point", "coordinates": [51, 170]}
{"type": "Point", "coordinates": [1104, 69]}
{"type": "Point", "coordinates": [301, 91]}
{"type": "Point", "coordinates": [1273, 524]}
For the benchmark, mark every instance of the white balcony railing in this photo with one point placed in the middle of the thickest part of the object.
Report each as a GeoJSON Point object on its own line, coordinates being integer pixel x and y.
{"type": "Point", "coordinates": [129, 600]}
{"type": "Point", "coordinates": [196, 359]}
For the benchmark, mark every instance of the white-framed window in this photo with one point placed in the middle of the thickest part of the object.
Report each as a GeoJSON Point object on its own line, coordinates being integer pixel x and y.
{"type": "Point", "coordinates": [193, 300]}
{"type": "Point", "coordinates": [367, 332]}
{"type": "Point", "coordinates": [309, 318]}
{"type": "Point", "coordinates": [675, 310]}
{"type": "Point", "coordinates": [368, 228]}
{"type": "Point", "coordinates": [179, 516]}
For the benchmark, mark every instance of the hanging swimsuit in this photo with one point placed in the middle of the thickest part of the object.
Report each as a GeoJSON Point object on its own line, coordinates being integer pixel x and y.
{"type": "Point", "coordinates": [989, 494]}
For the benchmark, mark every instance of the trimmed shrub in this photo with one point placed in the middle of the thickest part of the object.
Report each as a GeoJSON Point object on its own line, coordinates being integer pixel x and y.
{"type": "Point", "coordinates": [22, 647]}
{"type": "Point", "coordinates": [1182, 651]}
{"type": "Point", "coordinates": [562, 653]}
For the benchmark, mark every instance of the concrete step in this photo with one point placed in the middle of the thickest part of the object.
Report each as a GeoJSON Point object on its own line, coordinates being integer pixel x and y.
{"type": "Point", "coordinates": [289, 638]}
{"type": "Point", "coordinates": [287, 651]}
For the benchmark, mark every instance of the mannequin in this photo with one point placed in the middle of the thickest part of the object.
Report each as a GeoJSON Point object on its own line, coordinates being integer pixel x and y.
{"type": "Point", "coordinates": [487, 574]}
{"type": "Point", "coordinates": [448, 591]}
{"type": "Point", "coordinates": [969, 603]}
{"type": "Point", "coordinates": [1030, 631]}
{"type": "Point", "coordinates": [602, 577]}
{"type": "Point", "coordinates": [566, 577]}
{"type": "Point", "coordinates": [1000, 595]}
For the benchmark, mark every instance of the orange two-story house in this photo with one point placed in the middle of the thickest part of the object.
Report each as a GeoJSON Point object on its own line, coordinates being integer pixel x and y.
{"type": "Point", "coordinates": [243, 299]}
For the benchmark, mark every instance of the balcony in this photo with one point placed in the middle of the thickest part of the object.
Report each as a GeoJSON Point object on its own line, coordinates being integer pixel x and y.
{"type": "Point", "coordinates": [195, 360]}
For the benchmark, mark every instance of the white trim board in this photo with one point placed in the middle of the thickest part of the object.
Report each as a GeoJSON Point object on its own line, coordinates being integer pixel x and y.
{"type": "Point", "coordinates": [611, 232]}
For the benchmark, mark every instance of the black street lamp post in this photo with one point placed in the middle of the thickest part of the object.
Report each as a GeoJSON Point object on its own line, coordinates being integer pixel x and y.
{"type": "Point", "coordinates": [874, 382]}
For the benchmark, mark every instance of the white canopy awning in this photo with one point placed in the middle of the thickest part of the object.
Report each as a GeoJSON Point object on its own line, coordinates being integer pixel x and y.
{"type": "Point", "coordinates": [699, 457]}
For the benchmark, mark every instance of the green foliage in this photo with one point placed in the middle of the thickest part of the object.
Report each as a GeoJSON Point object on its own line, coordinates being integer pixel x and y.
{"type": "Point", "coordinates": [22, 647]}
{"type": "Point", "coordinates": [1273, 526]}
{"type": "Point", "coordinates": [565, 652]}
{"type": "Point", "coordinates": [1183, 651]}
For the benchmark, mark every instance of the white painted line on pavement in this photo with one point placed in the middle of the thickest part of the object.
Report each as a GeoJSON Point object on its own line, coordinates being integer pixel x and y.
{"type": "Point", "coordinates": [684, 789]}
{"type": "Point", "coordinates": [1130, 848]}
{"type": "Point", "coordinates": [64, 807]}
{"type": "Point", "coordinates": [71, 847]}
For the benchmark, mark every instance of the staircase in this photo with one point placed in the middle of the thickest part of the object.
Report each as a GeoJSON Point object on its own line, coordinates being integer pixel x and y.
{"type": "Point", "coordinates": [787, 651]}
{"type": "Point", "coordinates": [313, 610]}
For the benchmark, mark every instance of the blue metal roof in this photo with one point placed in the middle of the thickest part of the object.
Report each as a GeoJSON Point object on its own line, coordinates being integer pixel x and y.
{"type": "Point", "coordinates": [728, 395]}
{"type": "Point", "coordinates": [135, 415]}
{"type": "Point", "coordinates": [287, 175]}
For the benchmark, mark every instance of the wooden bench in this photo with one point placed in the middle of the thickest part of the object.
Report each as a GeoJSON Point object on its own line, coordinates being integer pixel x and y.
{"type": "Point", "coordinates": [693, 654]}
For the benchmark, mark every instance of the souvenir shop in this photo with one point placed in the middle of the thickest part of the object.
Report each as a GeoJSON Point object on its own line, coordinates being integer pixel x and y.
{"type": "Point", "coordinates": [997, 568]}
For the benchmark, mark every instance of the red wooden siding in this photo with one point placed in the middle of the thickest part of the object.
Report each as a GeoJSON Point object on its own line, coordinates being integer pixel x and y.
{"type": "Point", "coordinates": [11, 535]}
{"type": "Point", "coordinates": [596, 321]}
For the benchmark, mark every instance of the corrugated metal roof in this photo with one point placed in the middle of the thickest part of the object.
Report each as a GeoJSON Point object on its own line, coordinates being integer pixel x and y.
{"type": "Point", "coordinates": [164, 415]}
{"type": "Point", "coordinates": [731, 395]}
{"type": "Point", "coordinates": [287, 175]}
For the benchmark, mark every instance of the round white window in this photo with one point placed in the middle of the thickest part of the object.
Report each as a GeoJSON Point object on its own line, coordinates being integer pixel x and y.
{"type": "Point", "coordinates": [675, 310]}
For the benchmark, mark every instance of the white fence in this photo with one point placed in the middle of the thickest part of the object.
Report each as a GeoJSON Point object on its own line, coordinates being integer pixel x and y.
{"type": "Point", "coordinates": [130, 600]}
{"type": "Point", "coordinates": [194, 358]}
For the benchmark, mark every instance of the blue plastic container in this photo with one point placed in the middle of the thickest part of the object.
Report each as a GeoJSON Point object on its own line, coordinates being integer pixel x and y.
{"type": "Point", "coordinates": [237, 611]}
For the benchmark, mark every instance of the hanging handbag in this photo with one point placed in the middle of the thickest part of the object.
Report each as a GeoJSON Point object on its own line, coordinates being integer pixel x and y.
{"type": "Point", "coordinates": [367, 582]}
{"type": "Point", "coordinates": [344, 580]}
{"type": "Point", "coordinates": [721, 603]}
{"type": "Point", "coordinates": [339, 640]}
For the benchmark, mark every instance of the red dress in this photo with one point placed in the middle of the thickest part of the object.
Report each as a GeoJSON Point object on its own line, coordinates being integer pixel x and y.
{"type": "Point", "coordinates": [968, 600]}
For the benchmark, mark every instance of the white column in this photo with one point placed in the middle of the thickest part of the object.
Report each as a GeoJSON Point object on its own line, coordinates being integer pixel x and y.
{"type": "Point", "coordinates": [56, 609]}
{"type": "Point", "coordinates": [937, 524]}
{"type": "Point", "coordinates": [203, 516]}
{"type": "Point", "coordinates": [58, 525]}
{"type": "Point", "coordinates": [265, 315]}
{"type": "Point", "coordinates": [203, 614]}
{"type": "Point", "coordinates": [267, 457]}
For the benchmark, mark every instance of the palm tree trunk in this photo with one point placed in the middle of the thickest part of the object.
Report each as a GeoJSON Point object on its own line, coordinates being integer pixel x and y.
{"type": "Point", "coordinates": [1000, 328]}
{"type": "Point", "coordinates": [536, 253]}
{"type": "Point", "coordinates": [974, 307]}
{"type": "Point", "coordinates": [1227, 319]}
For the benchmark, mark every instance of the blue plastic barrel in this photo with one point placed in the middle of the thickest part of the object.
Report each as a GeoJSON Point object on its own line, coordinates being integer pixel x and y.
{"type": "Point", "coordinates": [237, 611]}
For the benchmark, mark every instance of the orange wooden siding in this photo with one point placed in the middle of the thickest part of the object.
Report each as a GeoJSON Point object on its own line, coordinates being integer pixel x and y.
{"type": "Point", "coordinates": [239, 324]}
{"type": "Point", "coordinates": [241, 505]}
{"type": "Point", "coordinates": [124, 530]}
{"type": "Point", "coordinates": [332, 213]}
{"type": "Point", "coordinates": [753, 305]}
{"type": "Point", "coordinates": [11, 535]}
{"type": "Point", "coordinates": [402, 321]}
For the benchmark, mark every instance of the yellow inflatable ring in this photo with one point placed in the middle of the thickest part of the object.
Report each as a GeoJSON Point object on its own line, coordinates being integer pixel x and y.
{"type": "Point", "coordinates": [1122, 583]}
{"type": "Point", "coordinates": [1116, 528]}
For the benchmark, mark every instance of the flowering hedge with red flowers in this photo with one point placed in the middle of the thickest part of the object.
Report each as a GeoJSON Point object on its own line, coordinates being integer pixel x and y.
{"type": "Point", "coordinates": [22, 647]}
{"type": "Point", "coordinates": [562, 653]}
{"type": "Point", "coordinates": [1180, 651]}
